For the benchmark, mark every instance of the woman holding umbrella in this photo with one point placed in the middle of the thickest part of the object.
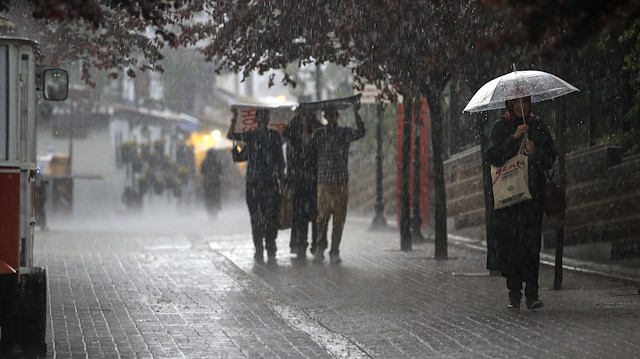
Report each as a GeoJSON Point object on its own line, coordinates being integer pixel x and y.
{"type": "Point", "coordinates": [518, 228]}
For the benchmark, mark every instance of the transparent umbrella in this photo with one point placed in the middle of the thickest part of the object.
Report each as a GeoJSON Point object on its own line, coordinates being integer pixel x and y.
{"type": "Point", "coordinates": [541, 86]}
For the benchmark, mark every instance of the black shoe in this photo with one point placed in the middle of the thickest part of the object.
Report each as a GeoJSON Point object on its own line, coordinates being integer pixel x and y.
{"type": "Point", "coordinates": [318, 256]}
{"type": "Point", "coordinates": [302, 253]}
{"type": "Point", "coordinates": [534, 304]}
{"type": "Point", "coordinates": [271, 253]}
{"type": "Point", "coordinates": [513, 304]}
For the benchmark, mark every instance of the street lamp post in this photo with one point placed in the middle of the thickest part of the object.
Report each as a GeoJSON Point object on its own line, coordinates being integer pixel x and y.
{"type": "Point", "coordinates": [379, 221]}
{"type": "Point", "coordinates": [416, 219]}
{"type": "Point", "coordinates": [405, 209]}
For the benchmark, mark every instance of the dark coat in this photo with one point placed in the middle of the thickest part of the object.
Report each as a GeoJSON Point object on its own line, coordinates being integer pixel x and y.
{"type": "Point", "coordinates": [266, 161]}
{"type": "Point", "coordinates": [517, 229]}
{"type": "Point", "coordinates": [211, 171]}
{"type": "Point", "coordinates": [302, 177]}
{"type": "Point", "coordinates": [303, 160]}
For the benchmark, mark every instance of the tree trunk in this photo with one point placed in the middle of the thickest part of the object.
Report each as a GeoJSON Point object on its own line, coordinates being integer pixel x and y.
{"type": "Point", "coordinates": [405, 215]}
{"type": "Point", "coordinates": [492, 259]}
{"type": "Point", "coordinates": [416, 219]}
{"type": "Point", "coordinates": [433, 92]}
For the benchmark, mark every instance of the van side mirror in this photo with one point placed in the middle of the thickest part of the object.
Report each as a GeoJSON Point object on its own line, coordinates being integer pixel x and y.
{"type": "Point", "coordinates": [56, 84]}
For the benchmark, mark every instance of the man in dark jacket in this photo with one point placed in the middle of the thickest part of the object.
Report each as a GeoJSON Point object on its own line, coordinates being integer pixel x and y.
{"type": "Point", "coordinates": [265, 170]}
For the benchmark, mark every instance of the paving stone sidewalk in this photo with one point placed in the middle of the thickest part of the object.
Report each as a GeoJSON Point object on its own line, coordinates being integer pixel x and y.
{"type": "Point", "coordinates": [185, 287]}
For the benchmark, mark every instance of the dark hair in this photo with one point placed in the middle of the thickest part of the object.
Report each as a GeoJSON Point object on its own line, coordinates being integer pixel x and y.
{"type": "Point", "coordinates": [510, 103]}
{"type": "Point", "coordinates": [330, 109]}
{"type": "Point", "coordinates": [262, 112]}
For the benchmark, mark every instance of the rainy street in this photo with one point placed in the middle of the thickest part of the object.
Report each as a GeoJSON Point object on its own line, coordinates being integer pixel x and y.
{"type": "Point", "coordinates": [457, 150]}
{"type": "Point", "coordinates": [167, 285]}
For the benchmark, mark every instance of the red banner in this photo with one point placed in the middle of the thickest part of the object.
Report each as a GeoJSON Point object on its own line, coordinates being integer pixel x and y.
{"type": "Point", "coordinates": [424, 161]}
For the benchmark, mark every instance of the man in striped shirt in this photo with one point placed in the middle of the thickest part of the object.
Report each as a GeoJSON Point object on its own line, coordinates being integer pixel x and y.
{"type": "Point", "coordinates": [332, 143]}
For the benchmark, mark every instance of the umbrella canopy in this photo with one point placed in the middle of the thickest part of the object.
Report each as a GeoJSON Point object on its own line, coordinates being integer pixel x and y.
{"type": "Point", "coordinates": [541, 86]}
{"type": "Point", "coordinates": [340, 103]}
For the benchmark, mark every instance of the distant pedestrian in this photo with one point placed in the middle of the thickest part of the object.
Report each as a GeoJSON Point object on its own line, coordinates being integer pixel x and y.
{"type": "Point", "coordinates": [302, 178]}
{"type": "Point", "coordinates": [41, 201]}
{"type": "Point", "coordinates": [517, 229]}
{"type": "Point", "coordinates": [332, 143]}
{"type": "Point", "coordinates": [265, 170]}
{"type": "Point", "coordinates": [211, 171]}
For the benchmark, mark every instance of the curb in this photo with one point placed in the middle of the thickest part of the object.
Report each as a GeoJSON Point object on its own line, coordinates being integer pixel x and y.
{"type": "Point", "coordinates": [630, 275]}
{"type": "Point", "coordinates": [617, 272]}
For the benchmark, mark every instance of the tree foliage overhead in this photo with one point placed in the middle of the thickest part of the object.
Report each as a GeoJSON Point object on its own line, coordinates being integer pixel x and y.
{"type": "Point", "coordinates": [631, 39]}
{"type": "Point", "coordinates": [383, 38]}
{"type": "Point", "coordinates": [115, 35]}
{"type": "Point", "coordinates": [390, 42]}
{"type": "Point", "coordinates": [561, 23]}
{"type": "Point", "coordinates": [96, 12]}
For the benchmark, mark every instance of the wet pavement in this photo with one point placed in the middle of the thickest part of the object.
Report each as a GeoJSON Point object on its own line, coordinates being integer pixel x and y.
{"type": "Point", "coordinates": [182, 286]}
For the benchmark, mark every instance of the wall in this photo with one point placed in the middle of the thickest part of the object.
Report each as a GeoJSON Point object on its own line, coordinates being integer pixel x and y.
{"type": "Point", "coordinates": [603, 191]}
{"type": "Point", "coordinates": [97, 184]}
{"type": "Point", "coordinates": [362, 185]}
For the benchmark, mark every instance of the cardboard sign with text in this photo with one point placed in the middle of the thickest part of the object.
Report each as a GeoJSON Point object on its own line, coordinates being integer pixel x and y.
{"type": "Point", "coordinates": [279, 117]}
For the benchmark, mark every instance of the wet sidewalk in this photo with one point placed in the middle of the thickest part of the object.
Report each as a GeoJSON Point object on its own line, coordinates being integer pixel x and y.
{"type": "Point", "coordinates": [184, 287]}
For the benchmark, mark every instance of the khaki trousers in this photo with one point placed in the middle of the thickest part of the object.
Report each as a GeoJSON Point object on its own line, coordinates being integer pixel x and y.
{"type": "Point", "coordinates": [332, 202]}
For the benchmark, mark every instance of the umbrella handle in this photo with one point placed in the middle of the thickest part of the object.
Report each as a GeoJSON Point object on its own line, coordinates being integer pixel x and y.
{"type": "Point", "coordinates": [524, 120]}
{"type": "Point", "coordinates": [524, 116]}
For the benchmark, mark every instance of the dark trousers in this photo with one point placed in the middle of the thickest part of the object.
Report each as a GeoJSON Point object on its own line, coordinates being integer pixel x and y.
{"type": "Point", "coordinates": [41, 216]}
{"type": "Point", "coordinates": [263, 201]}
{"type": "Point", "coordinates": [518, 231]}
{"type": "Point", "coordinates": [304, 212]}
{"type": "Point", "coordinates": [212, 197]}
{"type": "Point", "coordinates": [528, 274]}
